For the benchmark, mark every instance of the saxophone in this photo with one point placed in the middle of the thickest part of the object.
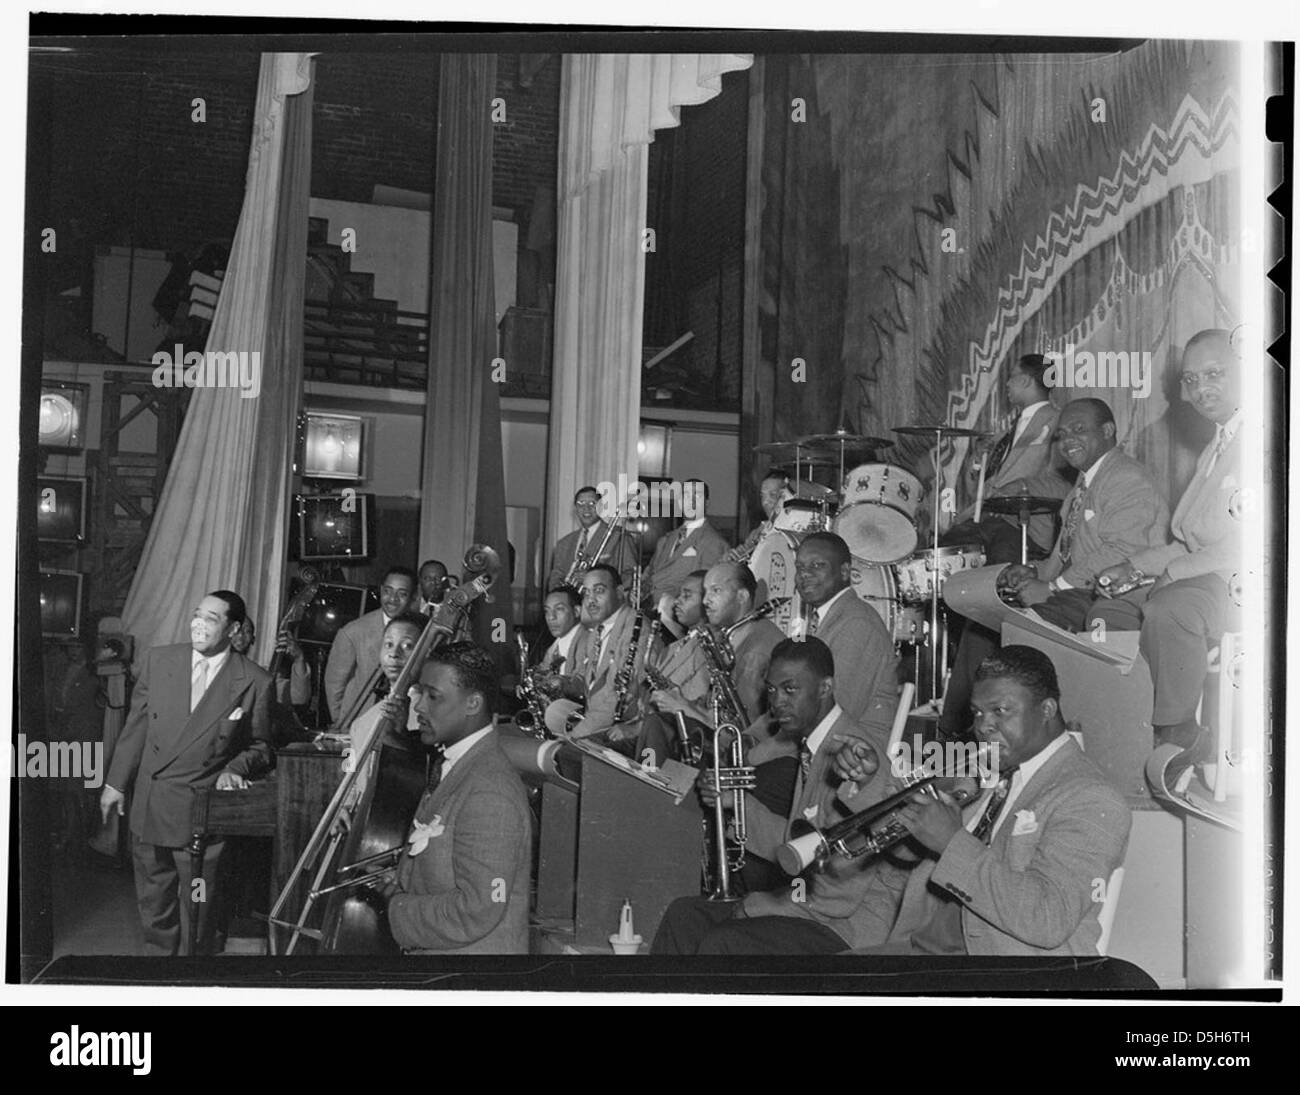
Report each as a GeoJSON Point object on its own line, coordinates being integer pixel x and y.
{"type": "Point", "coordinates": [531, 718]}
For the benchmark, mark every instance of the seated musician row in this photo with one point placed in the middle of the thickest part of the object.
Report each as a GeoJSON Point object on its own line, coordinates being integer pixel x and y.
{"type": "Point", "coordinates": [1119, 559]}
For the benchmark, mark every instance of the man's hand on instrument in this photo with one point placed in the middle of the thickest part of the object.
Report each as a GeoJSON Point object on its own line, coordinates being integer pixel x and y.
{"type": "Point", "coordinates": [384, 885]}
{"type": "Point", "coordinates": [1117, 575]}
{"type": "Point", "coordinates": [287, 644]}
{"type": "Point", "coordinates": [395, 708]}
{"type": "Point", "coordinates": [854, 759]}
{"type": "Point", "coordinates": [934, 822]}
{"type": "Point", "coordinates": [1014, 576]}
{"type": "Point", "coordinates": [708, 795]}
{"type": "Point", "coordinates": [1033, 592]}
{"type": "Point", "coordinates": [622, 732]}
{"type": "Point", "coordinates": [229, 781]}
{"type": "Point", "coordinates": [111, 798]}
{"type": "Point", "coordinates": [668, 701]}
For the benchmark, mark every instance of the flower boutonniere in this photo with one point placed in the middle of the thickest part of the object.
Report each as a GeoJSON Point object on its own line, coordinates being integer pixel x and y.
{"type": "Point", "coordinates": [424, 831]}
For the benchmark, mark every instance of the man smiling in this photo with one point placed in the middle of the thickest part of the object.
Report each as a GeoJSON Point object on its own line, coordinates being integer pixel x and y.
{"type": "Point", "coordinates": [200, 716]}
{"type": "Point", "coordinates": [354, 654]}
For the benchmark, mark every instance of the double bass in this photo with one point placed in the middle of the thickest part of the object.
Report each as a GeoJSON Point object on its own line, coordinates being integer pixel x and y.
{"type": "Point", "coordinates": [352, 846]}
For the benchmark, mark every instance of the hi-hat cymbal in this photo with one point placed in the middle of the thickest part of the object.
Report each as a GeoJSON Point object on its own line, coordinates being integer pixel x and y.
{"type": "Point", "coordinates": [1016, 503]}
{"type": "Point", "coordinates": [941, 429]}
{"type": "Point", "coordinates": [841, 440]}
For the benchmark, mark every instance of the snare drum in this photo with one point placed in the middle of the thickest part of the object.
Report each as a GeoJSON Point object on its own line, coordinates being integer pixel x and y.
{"type": "Point", "coordinates": [799, 515]}
{"type": "Point", "coordinates": [877, 518]}
{"type": "Point", "coordinates": [916, 575]}
{"type": "Point", "coordinates": [773, 567]}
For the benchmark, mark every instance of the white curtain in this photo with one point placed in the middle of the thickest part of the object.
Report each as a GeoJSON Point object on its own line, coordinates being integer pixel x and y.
{"type": "Point", "coordinates": [222, 520]}
{"type": "Point", "coordinates": [610, 107]}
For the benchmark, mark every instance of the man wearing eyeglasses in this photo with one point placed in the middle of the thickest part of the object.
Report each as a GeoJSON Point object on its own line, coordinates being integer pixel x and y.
{"type": "Point", "coordinates": [1187, 608]}
{"type": "Point", "coordinates": [586, 540]}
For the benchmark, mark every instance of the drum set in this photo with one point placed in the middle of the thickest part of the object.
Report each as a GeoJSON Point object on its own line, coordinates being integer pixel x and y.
{"type": "Point", "coordinates": [876, 511]}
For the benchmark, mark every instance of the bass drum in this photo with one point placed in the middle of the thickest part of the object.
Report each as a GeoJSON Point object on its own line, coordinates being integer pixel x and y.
{"type": "Point", "coordinates": [877, 517]}
{"type": "Point", "coordinates": [773, 567]}
{"type": "Point", "coordinates": [875, 587]}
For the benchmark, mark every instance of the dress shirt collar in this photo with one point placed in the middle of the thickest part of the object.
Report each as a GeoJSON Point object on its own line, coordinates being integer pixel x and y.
{"type": "Point", "coordinates": [690, 526]}
{"type": "Point", "coordinates": [453, 753]}
{"type": "Point", "coordinates": [1022, 775]}
{"type": "Point", "coordinates": [1226, 431]}
{"type": "Point", "coordinates": [1087, 477]}
{"type": "Point", "coordinates": [215, 662]}
{"type": "Point", "coordinates": [610, 626]}
{"type": "Point", "coordinates": [1026, 416]}
{"type": "Point", "coordinates": [815, 739]}
{"type": "Point", "coordinates": [565, 642]}
{"type": "Point", "coordinates": [822, 609]}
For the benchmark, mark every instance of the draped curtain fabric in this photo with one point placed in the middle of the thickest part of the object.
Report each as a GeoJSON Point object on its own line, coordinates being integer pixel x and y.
{"type": "Point", "coordinates": [222, 519]}
{"type": "Point", "coordinates": [463, 474]}
{"type": "Point", "coordinates": [934, 216]}
{"type": "Point", "coordinates": [610, 106]}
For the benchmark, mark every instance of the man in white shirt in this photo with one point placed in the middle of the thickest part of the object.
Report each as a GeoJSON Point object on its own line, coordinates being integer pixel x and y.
{"type": "Point", "coordinates": [696, 545]}
{"type": "Point", "coordinates": [1021, 461]}
{"type": "Point", "coordinates": [1023, 869]}
{"type": "Point", "coordinates": [561, 613]}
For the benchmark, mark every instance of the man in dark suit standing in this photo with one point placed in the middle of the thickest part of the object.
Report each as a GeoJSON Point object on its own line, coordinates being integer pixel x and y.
{"type": "Point", "coordinates": [696, 545]}
{"type": "Point", "coordinates": [1022, 461]}
{"type": "Point", "coordinates": [461, 886]}
{"type": "Point", "coordinates": [354, 654]}
{"type": "Point", "coordinates": [200, 716]}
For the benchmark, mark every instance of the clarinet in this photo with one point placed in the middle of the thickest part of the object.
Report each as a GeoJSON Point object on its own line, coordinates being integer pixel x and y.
{"type": "Point", "coordinates": [623, 681]}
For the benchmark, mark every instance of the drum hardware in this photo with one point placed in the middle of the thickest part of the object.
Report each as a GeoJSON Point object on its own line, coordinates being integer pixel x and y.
{"type": "Point", "coordinates": [916, 575]}
{"type": "Point", "coordinates": [1021, 507]}
{"type": "Point", "coordinates": [841, 440]}
{"type": "Point", "coordinates": [939, 432]}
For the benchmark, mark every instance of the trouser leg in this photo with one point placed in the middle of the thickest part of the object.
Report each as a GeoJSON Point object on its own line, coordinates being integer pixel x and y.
{"type": "Point", "coordinates": [977, 643]}
{"type": "Point", "coordinates": [687, 921]}
{"type": "Point", "coordinates": [772, 935]}
{"type": "Point", "coordinates": [1179, 623]}
{"type": "Point", "coordinates": [156, 880]}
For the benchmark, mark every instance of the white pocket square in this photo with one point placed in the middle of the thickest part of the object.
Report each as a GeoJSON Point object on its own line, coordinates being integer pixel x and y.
{"type": "Point", "coordinates": [1025, 823]}
{"type": "Point", "coordinates": [690, 551]}
{"type": "Point", "coordinates": [1089, 514]}
{"type": "Point", "coordinates": [810, 813]}
{"type": "Point", "coordinates": [236, 714]}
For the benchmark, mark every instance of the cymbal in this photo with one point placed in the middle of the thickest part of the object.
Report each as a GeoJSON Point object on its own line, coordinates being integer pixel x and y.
{"type": "Point", "coordinates": [808, 460]}
{"type": "Point", "coordinates": [1014, 503]}
{"type": "Point", "coordinates": [840, 439]}
{"type": "Point", "coordinates": [943, 429]}
{"type": "Point", "coordinates": [805, 490]}
{"type": "Point", "coordinates": [773, 448]}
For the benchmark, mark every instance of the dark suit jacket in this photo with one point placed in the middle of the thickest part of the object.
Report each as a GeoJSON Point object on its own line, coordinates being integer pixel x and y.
{"type": "Point", "coordinates": [466, 891]}
{"type": "Point", "coordinates": [166, 752]}
{"type": "Point", "coordinates": [1033, 891]}
{"type": "Point", "coordinates": [1123, 513]}
{"type": "Point", "coordinates": [866, 667]}
{"type": "Point", "coordinates": [619, 553]}
{"type": "Point", "coordinates": [700, 549]}
{"type": "Point", "coordinates": [856, 899]}
{"type": "Point", "coordinates": [354, 655]}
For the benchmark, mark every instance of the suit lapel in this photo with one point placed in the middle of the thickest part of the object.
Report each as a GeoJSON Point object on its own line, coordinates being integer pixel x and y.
{"type": "Point", "coordinates": [1034, 788]}
{"type": "Point", "coordinates": [214, 705]}
{"type": "Point", "coordinates": [460, 770]}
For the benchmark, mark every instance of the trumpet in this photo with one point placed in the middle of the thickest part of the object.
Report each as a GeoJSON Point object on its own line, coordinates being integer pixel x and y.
{"type": "Point", "coordinates": [737, 777]}
{"type": "Point", "coordinates": [868, 832]}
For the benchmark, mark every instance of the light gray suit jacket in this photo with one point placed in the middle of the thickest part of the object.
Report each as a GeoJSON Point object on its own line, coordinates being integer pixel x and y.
{"type": "Point", "coordinates": [1035, 463]}
{"type": "Point", "coordinates": [1034, 890]}
{"type": "Point", "coordinates": [602, 693]}
{"type": "Point", "coordinates": [700, 549]}
{"type": "Point", "coordinates": [354, 655]}
{"type": "Point", "coordinates": [866, 667]}
{"type": "Point", "coordinates": [466, 890]}
{"type": "Point", "coordinates": [1122, 514]}
{"type": "Point", "coordinates": [619, 553]}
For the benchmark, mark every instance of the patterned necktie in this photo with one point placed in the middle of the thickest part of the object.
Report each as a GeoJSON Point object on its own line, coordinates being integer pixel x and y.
{"type": "Point", "coordinates": [983, 830]}
{"type": "Point", "coordinates": [1221, 441]}
{"type": "Point", "coordinates": [805, 759]}
{"type": "Point", "coordinates": [1070, 523]}
{"type": "Point", "coordinates": [1000, 450]}
{"type": "Point", "coordinates": [814, 622]}
{"type": "Point", "coordinates": [198, 682]}
{"type": "Point", "coordinates": [433, 773]}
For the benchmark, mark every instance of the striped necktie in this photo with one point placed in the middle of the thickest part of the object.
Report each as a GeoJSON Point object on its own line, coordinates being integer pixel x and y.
{"type": "Point", "coordinates": [983, 830]}
{"type": "Point", "coordinates": [593, 654]}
